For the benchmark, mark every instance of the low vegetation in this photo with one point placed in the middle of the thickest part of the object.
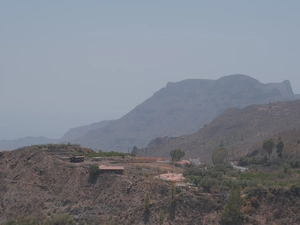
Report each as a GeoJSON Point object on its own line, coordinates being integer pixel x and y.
{"type": "Point", "coordinates": [107, 154]}
{"type": "Point", "coordinates": [232, 215]}
{"type": "Point", "coordinates": [217, 193]}
{"type": "Point", "coordinates": [94, 170]}
{"type": "Point", "coordinates": [57, 219]}
{"type": "Point", "coordinates": [176, 155]}
{"type": "Point", "coordinates": [53, 146]}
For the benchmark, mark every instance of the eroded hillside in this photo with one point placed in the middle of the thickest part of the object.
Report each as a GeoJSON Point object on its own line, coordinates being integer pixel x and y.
{"type": "Point", "coordinates": [37, 184]}
{"type": "Point", "coordinates": [236, 129]}
{"type": "Point", "coordinates": [39, 188]}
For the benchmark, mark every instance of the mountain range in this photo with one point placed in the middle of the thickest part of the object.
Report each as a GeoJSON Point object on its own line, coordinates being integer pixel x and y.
{"type": "Point", "coordinates": [179, 108]}
{"type": "Point", "coordinates": [182, 108]}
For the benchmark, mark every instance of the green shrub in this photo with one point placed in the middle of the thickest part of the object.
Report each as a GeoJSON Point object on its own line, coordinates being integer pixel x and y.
{"type": "Point", "coordinates": [254, 202]}
{"type": "Point", "coordinates": [231, 215]}
{"type": "Point", "coordinates": [63, 219]}
{"type": "Point", "coordinates": [173, 192]}
{"type": "Point", "coordinates": [207, 183]}
{"type": "Point", "coordinates": [147, 202]}
{"type": "Point", "coordinates": [161, 218]}
{"type": "Point", "coordinates": [94, 170]}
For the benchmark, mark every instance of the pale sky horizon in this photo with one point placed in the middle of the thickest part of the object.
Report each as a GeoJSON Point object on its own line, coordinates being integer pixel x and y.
{"type": "Point", "coordinates": [65, 64]}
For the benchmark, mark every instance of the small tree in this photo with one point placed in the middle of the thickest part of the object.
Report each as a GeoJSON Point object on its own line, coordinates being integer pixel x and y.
{"type": "Point", "coordinates": [94, 170]}
{"type": "Point", "coordinates": [147, 202]}
{"type": "Point", "coordinates": [279, 147]}
{"type": "Point", "coordinates": [161, 217]}
{"type": "Point", "coordinates": [231, 215]}
{"type": "Point", "coordinates": [219, 155]}
{"type": "Point", "coordinates": [268, 146]}
{"type": "Point", "coordinates": [173, 192]}
{"type": "Point", "coordinates": [177, 155]}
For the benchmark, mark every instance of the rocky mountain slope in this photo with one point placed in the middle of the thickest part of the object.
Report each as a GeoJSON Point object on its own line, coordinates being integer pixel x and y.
{"type": "Point", "coordinates": [291, 140]}
{"type": "Point", "coordinates": [182, 108]}
{"type": "Point", "coordinates": [236, 129]}
{"type": "Point", "coordinates": [179, 108]}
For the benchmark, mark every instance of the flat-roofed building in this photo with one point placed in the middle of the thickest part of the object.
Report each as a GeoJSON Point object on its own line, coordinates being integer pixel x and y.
{"type": "Point", "coordinates": [111, 169]}
{"type": "Point", "coordinates": [75, 159]}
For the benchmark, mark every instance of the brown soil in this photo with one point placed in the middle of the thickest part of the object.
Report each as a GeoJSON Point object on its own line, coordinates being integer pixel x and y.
{"type": "Point", "coordinates": [35, 182]}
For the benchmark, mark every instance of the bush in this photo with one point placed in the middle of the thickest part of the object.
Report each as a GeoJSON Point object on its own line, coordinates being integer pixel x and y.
{"type": "Point", "coordinates": [276, 213]}
{"type": "Point", "coordinates": [147, 202]}
{"type": "Point", "coordinates": [248, 209]}
{"type": "Point", "coordinates": [207, 183]}
{"type": "Point", "coordinates": [94, 170]}
{"type": "Point", "coordinates": [63, 219]}
{"type": "Point", "coordinates": [231, 215]}
{"type": "Point", "coordinates": [285, 167]}
{"type": "Point", "coordinates": [254, 202]}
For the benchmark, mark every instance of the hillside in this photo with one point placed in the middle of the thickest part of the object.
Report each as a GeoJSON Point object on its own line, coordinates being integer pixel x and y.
{"type": "Point", "coordinates": [237, 129]}
{"type": "Point", "coordinates": [291, 140]}
{"type": "Point", "coordinates": [182, 108]}
{"type": "Point", "coordinates": [36, 184]}
{"type": "Point", "coordinates": [38, 188]}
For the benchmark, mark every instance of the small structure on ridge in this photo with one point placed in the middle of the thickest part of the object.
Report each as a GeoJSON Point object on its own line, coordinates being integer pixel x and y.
{"type": "Point", "coordinates": [111, 169]}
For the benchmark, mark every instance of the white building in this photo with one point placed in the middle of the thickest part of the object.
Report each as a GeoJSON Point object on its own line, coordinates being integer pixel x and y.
{"type": "Point", "coordinates": [194, 161]}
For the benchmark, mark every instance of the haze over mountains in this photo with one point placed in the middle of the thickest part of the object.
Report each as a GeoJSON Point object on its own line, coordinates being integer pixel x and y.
{"type": "Point", "coordinates": [77, 132]}
{"type": "Point", "coordinates": [177, 109]}
{"type": "Point", "coordinates": [70, 135]}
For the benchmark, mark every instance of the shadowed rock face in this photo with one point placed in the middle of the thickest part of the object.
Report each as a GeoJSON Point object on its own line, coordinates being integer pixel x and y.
{"type": "Point", "coordinates": [182, 108]}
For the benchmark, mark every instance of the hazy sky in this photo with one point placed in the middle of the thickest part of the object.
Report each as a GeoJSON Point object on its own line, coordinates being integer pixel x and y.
{"type": "Point", "coordinates": [69, 63]}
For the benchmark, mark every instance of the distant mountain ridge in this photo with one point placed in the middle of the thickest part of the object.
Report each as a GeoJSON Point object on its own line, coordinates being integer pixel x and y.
{"type": "Point", "coordinates": [183, 107]}
{"type": "Point", "coordinates": [236, 129]}
{"type": "Point", "coordinates": [179, 108]}
{"type": "Point", "coordinates": [77, 132]}
{"type": "Point", "coordinates": [26, 141]}
{"type": "Point", "coordinates": [69, 136]}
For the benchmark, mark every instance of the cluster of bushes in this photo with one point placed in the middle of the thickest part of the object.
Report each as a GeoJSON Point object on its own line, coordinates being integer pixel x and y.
{"type": "Point", "coordinates": [52, 146]}
{"type": "Point", "coordinates": [246, 161]}
{"type": "Point", "coordinates": [107, 154]}
{"type": "Point", "coordinates": [263, 161]}
{"type": "Point", "coordinates": [59, 219]}
{"type": "Point", "coordinates": [224, 177]}
{"type": "Point", "coordinates": [212, 177]}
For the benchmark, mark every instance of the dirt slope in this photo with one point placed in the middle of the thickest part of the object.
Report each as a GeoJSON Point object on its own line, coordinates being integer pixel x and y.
{"type": "Point", "coordinates": [34, 182]}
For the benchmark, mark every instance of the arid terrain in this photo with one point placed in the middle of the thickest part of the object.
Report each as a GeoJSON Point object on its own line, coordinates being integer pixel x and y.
{"type": "Point", "coordinates": [38, 187]}
{"type": "Point", "coordinates": [34, 183]}
{"type": "Point", "coordinates": [236, 129]}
